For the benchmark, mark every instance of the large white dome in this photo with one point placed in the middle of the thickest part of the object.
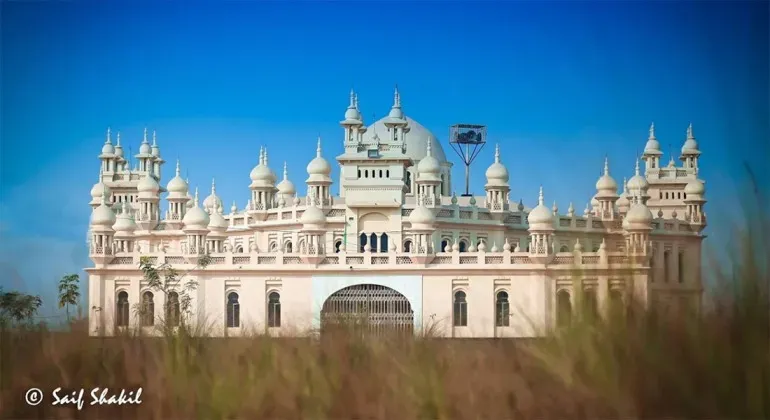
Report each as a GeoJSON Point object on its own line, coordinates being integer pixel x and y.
{"type": "Point", "coordinates": [416, 140]}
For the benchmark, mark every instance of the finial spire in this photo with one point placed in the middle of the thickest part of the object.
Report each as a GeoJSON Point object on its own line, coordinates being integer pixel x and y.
{"type": "Point", "coordinates": [540, 198]}
{"type": "Point", "coordinates": [104, 197]}
{"type": "Point", "coordinates": [625, 183]}
{"type": "Point", "coordinates": [636, 170]}
{"type": "Point", "coordinates": [196, 197]}
{"type": "Point", "coordinates": [689, 132]}
{"type": "Point", "coordinates": [109, 140]}
{"type": "Point", "coordinates": [285, 171]}
{"type": "Point", "coordinates": [154, 139]}
{"type": "Point", "coordinates": [396, 98]}
{"type": "Point", "coordinates": [144, 141]}
{"type": "Point", "coordinates": [266, 156]}
{"type": "Point", "coordinates": [261, 155]}
{"type": "Point", "coordinates": [429, 149]}
{"type": "Point", "coordinates": [318, 147]}
{"type": "Point", "coordinates": [118, 139]}
{"type": "Point", "coordinates": [352, 99]}
{"type": "Point", "coordinates": [497, 153]}
{"type": "Point", "coordinates": [355, 101]}
{"type": "Point", "coordinates": [177, 167]}
{"type": "Point", "coordinates": [652, 130]}
{"type": "Point", "coordinates": [606, 165]}
{"type": "Point", "coordinates": [213, 186]}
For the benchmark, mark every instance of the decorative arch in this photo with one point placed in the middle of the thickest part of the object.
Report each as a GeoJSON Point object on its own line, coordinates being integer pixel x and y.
{"type": "Point", "coordinates": [122, 308]}
{"type": "Point", "coordinates": [377, 308]}
{"type": "Point", "coordinates": [563, 307]}
{"type": "Point", "coordinates": [459, 308]}
{"type": "Point", "coordinates": [502, 308]}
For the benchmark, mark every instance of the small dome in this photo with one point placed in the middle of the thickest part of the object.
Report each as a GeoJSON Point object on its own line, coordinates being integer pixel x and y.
{"type": "Point", "coordinates": [124, 222]}
{"type": "Point", "coordinates": [144, 148]}
{"type": "Point", "coordinates": [155, 149]}
{"type": "Point", "coordinates": [119, 150]}
{"type": "Point", "coordinates": [286, 187]}
{"type": "Point", "coordinates": [623, 202]}
{"type": "Point", "coordinates": [103, 216]}
{"type": "Point", "coordinates": [108, 149]}
{"type": "Point", "coordinates": [690, 145]}
{"type": "Point", "coordinates": [217, 222]}
{"type": "Point", "coordinates": [212, 202]}
{"type": "Point", "coordinates": [606, 185]}
{"type": "Point", "coordinates": [594, 202]}
{"type": "Point", "coordinates": [652, 146]}
{"type": "Point", "coordinates": [318, 168]}
{"type": "Point", "coordinates": [422, 216]}
{"type": "Point", "coordinates": [497, 173]}
{"type": "Point", "coordinates": [313, 216]}
{"type": "Point", "coordinates": [148, 184]}
{"type": "Point", "coordinates": [196, 218]}
{"type": "Point", "coordinates": [540, 215]}
{"type": "Point", "coordinates": [429, 167]}
{"type": "Point", "coordinates": [638, 183]}
{"type": "Point", "coordinates": [352, 114]}
{"type": "Point", "coordinates": [695, 187]}
{"type": "Point", "coordinates": [637, 215]}
{"type": "Point", "coordinates": [99, 189]}
{"type": "Point", "coordinates": [261, 175]}
{"type": "Point", "coordinates": [177, 186]}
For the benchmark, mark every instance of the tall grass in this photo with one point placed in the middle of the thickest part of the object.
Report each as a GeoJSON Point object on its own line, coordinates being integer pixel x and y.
{"type": "Point", "coordinates": [633, 363]}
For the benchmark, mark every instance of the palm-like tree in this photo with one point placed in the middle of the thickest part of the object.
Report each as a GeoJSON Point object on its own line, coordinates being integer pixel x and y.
{"type": "Point", "coordinates": [69, 292]}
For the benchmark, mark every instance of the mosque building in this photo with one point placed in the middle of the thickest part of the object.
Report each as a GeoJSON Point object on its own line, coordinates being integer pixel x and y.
{"type": "Point", "coordinates": [395, 246]}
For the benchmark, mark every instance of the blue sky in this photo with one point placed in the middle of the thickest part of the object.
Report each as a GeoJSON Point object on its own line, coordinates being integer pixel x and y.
{"type": "Point", "coordinates": [559, 85]}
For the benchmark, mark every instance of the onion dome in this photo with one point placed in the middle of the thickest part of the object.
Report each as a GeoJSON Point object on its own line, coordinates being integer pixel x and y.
{"type": "Point", "coordinates": [313, 218]}
{"type": "Point", "coordinates": [352, 115]}
{"type": "Point", "coordinates": [261, 175]}
{"type": "Point", "coordinates": [606, 185]}
{"type": "Point", "coordinates": [212, 202]}
{"type": "Point", "coordinates": [118, 147]}
{"type": "Point", "coordinates": [286, 187]}
{"type": "Point", "coordinates": [189, 204]}
{"type": "Point", "coordinates": [103, 216]}
{"type": "Point", "coordinates": [595, 202]}
{"type": "Point", "coordinates": [429, 168]}
{"type": "Point", "coordinates": [196, 218]}
{"type": "Point", "coordinates": [623, 203]}
{"type": "Point", "coordinates": [639, 216]}
{"type": "Point", "coordinates": [98, 190]}
{"type": "Point", "coordinates": [695, 188]}
{"type": "Point", "coordinates": [108, 148]}
{"type": "Point", "coordinates": [148, 187]}
{"type": "Point", "coordinates": [396, 114]}
{"type": "Point", "coordinates": [690, 146]}
{"type": "Point", "coordinates": [638, 184]}
{"type": "Point", "coordinates": [422, 218]}
{"type": "Point", "coordinates": [144, 148]}
{"type": "Point", "coordinates": [217, 222]}
{"type": "Point", "coordinates": [497, 173]}
{"type": "Point", "coordinates": [319, 169]}
{"type": "Point", "coordinates": [540, 217]}
{"type": "Point", "coordinates": [653, 146]}
{"type": "Point", "coordinates": [177, 187]}
{"type": "Point", "coordinates": [124, 222]}
{"type": "Point", "coordinates": [233, 208]}
{"type": "Point", "coordinates": [155, 150]}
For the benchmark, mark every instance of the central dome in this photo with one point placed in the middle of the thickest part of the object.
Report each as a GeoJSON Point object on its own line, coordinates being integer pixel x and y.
{"type": "Point", "coordinates": [416, 140]}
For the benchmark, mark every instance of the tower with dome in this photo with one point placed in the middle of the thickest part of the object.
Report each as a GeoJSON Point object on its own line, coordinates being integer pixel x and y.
{"type": "Point", "coordinates": [395, 245]}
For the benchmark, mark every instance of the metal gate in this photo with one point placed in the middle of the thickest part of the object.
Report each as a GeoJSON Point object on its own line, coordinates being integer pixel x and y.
{"type": "Point", "coordinates": [368, 307]}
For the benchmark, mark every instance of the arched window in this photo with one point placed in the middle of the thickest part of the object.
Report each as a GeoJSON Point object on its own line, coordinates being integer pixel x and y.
{"type": "Point", "coordinates": [408, 246]}
{"type": "Point", "coordinates": [563, 308]}
{"type": "Point", "coordinates": [661, 194]}
{"type": "Point", "coordinates": [359, 173]}
{"type": "Point", "coordinates": [273, 246]}
{"type": "Point", "coordinates": [337, 246]}
{"type": "Point", "coordinates": [172, 309]}
{"type": "Point", "coordinates": [444, 244]}
{"type": "Point", "coordinates": [460, 315]}
{"type": "Point", "coordinates": [564, 248]}
{"type": "Point", "coordinates": [274, 310]}
{"type": "Point", "coordinates": [590, 305]}
{"type": "Point", "coordinates": [684, 195]}
{"type": "Point", "coordinates": [121, 313]}
{"type": "Point", "coordinates": [148, 309]}
{"type": "Point", "coordinates": [373, 242]}
{"type": "Point", "coordinates": [387, 173]}
{"type": "Point", "coordinates": [366, 173]}
{"type": "Point", "coordinates": [233, 311]}
{"type": "Point", "coordinates": [463, 247]}
{"type": "Point", "coordinates": [361, 242]}
{"type": "Point", "coordinates": [384, 242]}
{"type": "Point", "coordinates": [408, 182]}
{"type": "Point", "coordinates": [680, 267]}
{"type": "Point", "coordinates": [380, 173]}
{"type": "Point", "coordinates": [239, 249]}
{"type": "Point", "coordinates": [502, 310]}
{"type": "Point", "coordinates": [666, 262]}
{"type": "Point", "coordinates": [287, 247]}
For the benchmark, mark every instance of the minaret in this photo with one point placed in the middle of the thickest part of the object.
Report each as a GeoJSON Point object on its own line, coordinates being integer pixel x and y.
{"type": "Point", "coordinates": [637, 226]}
{"type": "Point", "coordinates": [396, 122]}
{"type": "Point", "coordinates": [178, 192]}
{"type": "Point", "coordinates": [352, 122]}
{"type": "Point", "coordinates": [262, 186]}
{"type": "Point", "coordinates": [429, 180]}
{"type": "Point", "coordinates": [149, 198]}
{"type": "Point", "coordinates": [145, 157]}
{"type": "Point", "coordinates": [102, 220]}
{"type": "Point", "coordinates": [107, 156]}
{"type": "Point", "coordinates": [694, 199]}
{"type": "Point", "coordinates": [606, 193]}
{"type": "Point", "coordinates": [497, 185]}
{"type": "Point", "coordinates": [196, 223]}
{"type": "Point", "coordinates": [652, 153]}
{"type": "Point", "coordinates": [638, 186]}
{"type": "Point", "coordinates": [157, 160]}
{"type": "Point", "coordinates": [540, 219]}
{"type": "Point", "coordinates": [690, 153]}
{"type": "Point", "coordinates": [319, 180]}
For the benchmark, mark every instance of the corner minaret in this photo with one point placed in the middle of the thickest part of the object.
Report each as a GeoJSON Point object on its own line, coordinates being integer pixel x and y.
{"type": "Point", "coordinates": [652, 153]}
{"type": "Point", "coordinates": [145, 157]}
{"type": "Point", "coordinates": [353, 123]}
{"type": "Point", "coordinates": [396, 121]}
{"type": "Point", "coordinates": [690, 153]}
{"type": "Point", "coordinates": [540, 219]}
{"type": "Point", "coordinates": [178, 192]}
{"type": "Point", "coordinates": [108, 156]}
{"type": "Point", "coordinates": [497, 185]}
{"type": "Point", "coordinates": [429, 180]}
{"type": "Point", "coordinates": [606, 193]}
{"type": "Point", "coordinates": [319, 180]}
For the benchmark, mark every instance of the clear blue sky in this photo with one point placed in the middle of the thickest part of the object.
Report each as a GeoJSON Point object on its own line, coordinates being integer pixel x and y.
{"type": "Point", "coordinates": [559, 84]}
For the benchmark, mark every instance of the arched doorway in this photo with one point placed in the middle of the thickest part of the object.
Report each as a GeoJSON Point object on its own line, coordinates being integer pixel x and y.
{"type": "Point", "coordinates": [368, 307]}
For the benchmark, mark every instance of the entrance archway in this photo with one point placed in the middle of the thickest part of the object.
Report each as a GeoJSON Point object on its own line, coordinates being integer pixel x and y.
{"type": "Point", "coordinates": [370, 308]}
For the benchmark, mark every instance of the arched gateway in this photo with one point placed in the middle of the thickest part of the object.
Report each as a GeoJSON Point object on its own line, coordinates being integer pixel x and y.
{"type": "Point", "coordinates": [378, 309]}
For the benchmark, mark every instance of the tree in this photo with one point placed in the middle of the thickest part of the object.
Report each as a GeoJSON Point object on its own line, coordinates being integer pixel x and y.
{"type": "Point", "coordinates": [18, 307]}
{"type": "Point", "coordinates": [69, 292]}
{"type": "Point", "coordinates": [164, 278]}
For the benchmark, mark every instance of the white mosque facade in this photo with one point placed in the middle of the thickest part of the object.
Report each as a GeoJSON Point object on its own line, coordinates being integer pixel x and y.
{"type": "Point", "coordinates": [395, 245]}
